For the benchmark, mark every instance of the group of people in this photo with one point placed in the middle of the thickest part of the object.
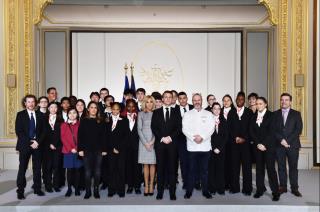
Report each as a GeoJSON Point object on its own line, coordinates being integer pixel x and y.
{"type": "Point", "coordinates": [146, 138]}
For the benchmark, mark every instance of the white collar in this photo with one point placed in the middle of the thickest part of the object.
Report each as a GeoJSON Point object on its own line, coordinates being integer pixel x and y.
{"type": "Point", "coordinates": [261, 114]}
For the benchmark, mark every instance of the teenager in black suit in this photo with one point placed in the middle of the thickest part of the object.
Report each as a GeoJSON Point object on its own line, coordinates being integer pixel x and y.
{"type": "Point", "coordinates": [183, 107]}
{"type": "Point", "coordinates": [240, 147]}
{"type": "Point", "coordinates": [117, 131]}
{"type": "Point", "coordinates": [166, 126]}
{"type": "Point", "coordinates": [92, 146]}
{"type": "Point", "coordinates": [52, 148]}
{"type": "Point", "coordinates": [217, 159]}
{"type": "Point", "coordinates": [288, 127]}
{"type": "Point", "coordinates": [263, 136]}
{"type": "Point", "coordinates": [133, 168]}
{"type": "Point", "coordinates": [52, 94]}
{"type": "Point", "coordinates": [30, 130]}
{"type": "Point", "coordinates": [140, 94]}
{"type": "Point", "coordinates": [227, 110]}
{"type": "Point", "coordinates": [103, 93]}
{"type": "Point", "coordinates": [210, 100]}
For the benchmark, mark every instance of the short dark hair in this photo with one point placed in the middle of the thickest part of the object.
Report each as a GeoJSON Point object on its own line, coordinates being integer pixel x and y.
{"type": "Point", "coordinates": [241, 93]}
{"type": "Point", "coordinates": [216, 103]}
{"type": "Point", "coordinates": [182, 93]}
{"type": "Point", "coordinates": [128, 91]}
{"type": "Point", "coordinates": [28, 96]}
{"type": "Point", "coordinates": [156, 95]}
{"type": "Point", "coordinates": [209, 97]}
{"type": "Point", "coordinates": [167, 91]}
{"type": "Point", "coordinates": [65, 98]}
{"type": "Point", "coordinates": [104, 89]}
{"type": "Point", "coordinates": [43, 97]}
{"type": "Point", "coordinates": [51, 88]}
{"type": "Point", "coordinates": [174, 91]}
{"type": "Point", "coordinates": [108, 96]}
{"type": "Point", "coordinates": [286, 94]}
{"type": "Point", "coordinates": [94, 93]}
{"type": "Point", "coordinates": [72, 108]}
{"type": "Point", "coordinates": [141, 90]}
{"type": "Point", "coordinates": [116, 103]}
{"type": "Point", "coordinates": [263, 99]}
{"type": "Point", "coordinates": [255, 95]}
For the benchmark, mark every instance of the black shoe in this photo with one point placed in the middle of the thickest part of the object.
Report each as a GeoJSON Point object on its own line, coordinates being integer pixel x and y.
{"type": "Point", "coordinates": [137, 191]}
{"type": "Point", "coordinates": [104, 186]}
{"type": "Point", "coordinates": [296, 193]}
{"type": "Point", "coordinates": [145, 194]}
{"type": "Point", "coordinates": [130, 190]}
{"type": "Point", "coordinates": [258, 194]}
{"type": "Point", "coordinates": [57, 189]}
{"type": "Point", "coordinates": [69, 192]}
{"type": "Point", "coordinates": [207, 195]}
{"type": "Point", "coordinates": [20, 195]}
{"type": "Point", "coordinates": [247, 193]}
{"type": "Point", "coordinates": [233, 191]}
{"type": "Point", "coordinates": [159, 196]}
{"type": "Point", "coordinates": [121, 194]}
{"type": "Point", "coordinates": [96, 194]}
{"type": "Point", "coordinates": [197, 186]}
{"type": "Point", "coordinates": [111, 194]}
{"type": "Point", "coordinates": [221, 192]}
{"type": "Point", "coordinates": [212, 191]}
{"type": "Point", "coordinates": [88, 194]}
{"type": "Point", "coordinates": [282, 190]}
{"type": "Point", "coordinates": [150, 194]}
{"type": "Point", "coordinates": [39, 193]}
{"type": "Point", "coordinates": [275, 197]}
{"type": "Point", "coordinates": [187, 195]}
{"type": "Point", "coordinates": [77, 192]}
{"type": "Point", "coordinates": [48, 189]}
{"type": "Point", "coordinates": [173, 196]}
{"type": "Point", "coordinates": [184, 186]}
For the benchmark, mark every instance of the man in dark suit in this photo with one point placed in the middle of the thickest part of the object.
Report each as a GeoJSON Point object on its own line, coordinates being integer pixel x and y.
{"type": "Point", "coordinates": [103, 93]}
{"type": "Point", "coordinates": [288, 127]}
{"type": "Point", "coordinates": [30, 130]}
{"type": "Point", "coordinates": [240, 146]}
{"type": "Point", "coordinates": [181, 141]}
{"type": "Point", "coordinates": [166, 126]}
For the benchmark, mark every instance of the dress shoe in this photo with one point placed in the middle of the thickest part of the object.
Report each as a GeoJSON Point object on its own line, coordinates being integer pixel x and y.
{"type": "Point", "coordinates": [104, 186]}
{"type": "Point", "coordinates": [275, 197]}
{"type": "Point", "coordinates": [296, 193]}
{"type": "Point", "coordinates": [137, 190]}
{"type": "Point", "coordinates": [111, 194]}
{"type": "Point", "coordinates": [150, 193]}
{"type": "Point", "coordinates": [88, 194]}
{"type": "Point", "coordinates": [48, 189]}
{"type": "Point", "coordinates": [187, 195]}
{"type": "Point", "coordinates": [96, 193]}
{"type": "Point", "coordinates": [282, 190]}
{"type": "Point", "coordinates": [57, 189]}
{"type": "Point", "coordinates": [159, 196]}
{"type": "Point", "coordinates": [233, 191]}
{"type": "Point", "coordinates": [20, 195]}
{"type": "Point", "coordinates": [247, 193]}
{"type": "Point", "coordinates": [77, 192]}
{"type": "Point", "coordinates": [39, 192]}
{"type": "Point", "coordinates": [207, 195]}
{"type": "Point", "coordinates": [258, 194]}
{"type": "Point", "coordinates": [130, 190]}
{"type": "Point", "coordinates": [69, 192]}
{"type": "Point", "coordinates": [121, 194]}
{"type": "Point", "coordinates": [173, 196]}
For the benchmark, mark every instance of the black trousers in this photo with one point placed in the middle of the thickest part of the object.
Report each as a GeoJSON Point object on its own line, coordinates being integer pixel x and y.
{"type": "Point", "coordinates": [117, 168]}
{"type": "Point", "coordinates": [24, 157]}
{"type": "Point", "coordinates": [292, 154]}
{"type": "Point", "coordinates": [266, 160]}
{"type": "Point", "coordinates": [133, 168]}
{"type": "Point", "coordinates": [105, 178]}
{"type": "Point", "coordinates": [44, 162]}
{"type": "Point", "coordinates": [241, 158]}
{"type": "Point", "coordinates": [183, 159]}
{"type": "Point", "coordinates": [201, 160]}
{"type": "Point", "coordinates": [53, 166]}
{"type": "Point", "coordinates": [92, 167]}
{"type": "Point", "coordinates": [216, 172]}
{"type": "Point", "coordinates": [73, 177]}
{"type": "Point", "coordinates": [166, 156]}
{"type": "Point", "coordinates": [228, 166]}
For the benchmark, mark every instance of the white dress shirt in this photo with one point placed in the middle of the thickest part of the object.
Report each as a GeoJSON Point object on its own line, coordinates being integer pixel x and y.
{"type": "Point", "coordinates": [34, 116]}
{"type": "Point", "coordinates": [165, 110]}
{"type": "Point", "coordinates": [64, 116]}
{"type": "Point", "coordinates": [182, 110]}
{"type": "Point", "coordinates": [226, 111]}
{"type": "Point", "coordinates": [260, 116]}
{"type": "Point", "coordinates": [198, 123]}
{"type": "Point", "coordinates": [240, 111]}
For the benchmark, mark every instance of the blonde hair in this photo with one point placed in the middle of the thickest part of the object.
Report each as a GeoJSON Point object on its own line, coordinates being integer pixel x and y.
{"type": "Point", "coordinates": [144, 102]}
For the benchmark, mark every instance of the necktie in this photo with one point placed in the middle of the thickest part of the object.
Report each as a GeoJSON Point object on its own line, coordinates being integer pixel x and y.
{"type": "Point", "coordinates": [284, 116]}
{"type": "Point", "coordinates": [167, 114]}
{"type": "Point", "coordinates": [184, 109]}
{"type": "Point", "coordinates": [32, 127]}
{"type": "Point", "coordinates": [114, 124]}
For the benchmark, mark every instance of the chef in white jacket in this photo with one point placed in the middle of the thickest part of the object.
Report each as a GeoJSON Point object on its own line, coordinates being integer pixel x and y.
{"type": "Point", "coordinates": [198, 126]}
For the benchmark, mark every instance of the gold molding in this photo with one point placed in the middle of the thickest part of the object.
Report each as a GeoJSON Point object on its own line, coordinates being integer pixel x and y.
{"type": "Point", "coordinates": [39, 7]}
{"type": "Point", "coordinates": [28, 45]}
{"type": "Point", "coordinates": [272, 8]}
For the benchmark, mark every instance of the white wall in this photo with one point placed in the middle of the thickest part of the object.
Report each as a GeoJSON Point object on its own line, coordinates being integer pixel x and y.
{"type": "Point", "coordinates": [194, 62]}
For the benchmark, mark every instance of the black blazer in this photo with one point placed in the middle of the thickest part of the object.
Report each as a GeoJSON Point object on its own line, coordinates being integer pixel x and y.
{"type": "Point", "coordinates": [219, 140]}
{"type": "Point", "coordinates": [53, 135]}
{"type": "Point", "coordinates": [264, 134]}
{"type": "Point", "coordinates": [101, 108]}
{"type": "Point", "coordinates": [117, 139]}
{"type": "Point", "coordinates": [22, 129]}
{"type": "Point", "coordinates": [133, 137]}
{"type": "Point", "coordinates": [291, 131]}
{"type": "Point", "coordinates": [240, 128]}
{"type": "Point", "coordinates": [160, 128]}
